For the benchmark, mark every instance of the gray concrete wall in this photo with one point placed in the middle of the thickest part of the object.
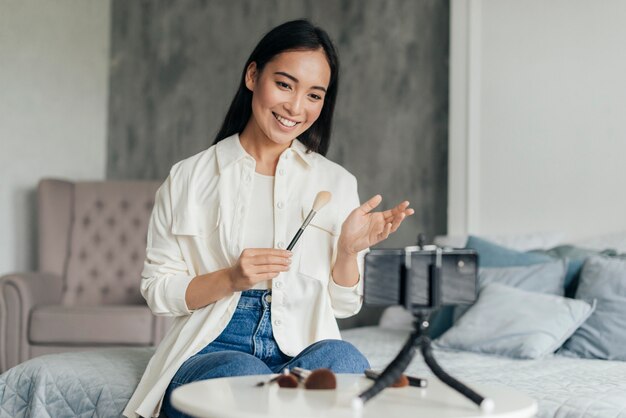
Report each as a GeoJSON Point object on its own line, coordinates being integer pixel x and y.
{"type": "Point", "coordinates": [175, 68]}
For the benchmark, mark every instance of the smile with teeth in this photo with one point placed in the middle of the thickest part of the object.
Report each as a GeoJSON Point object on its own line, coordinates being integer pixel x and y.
{"type": "Point", "coordinates": [285, 122]}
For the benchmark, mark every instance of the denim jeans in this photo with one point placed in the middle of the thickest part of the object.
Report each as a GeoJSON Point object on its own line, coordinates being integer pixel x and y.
{"type": "Point", "coordinates": [247, 347]}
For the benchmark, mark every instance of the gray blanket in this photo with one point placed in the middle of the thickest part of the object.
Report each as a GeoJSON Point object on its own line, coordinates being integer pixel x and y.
{"type": "Point", "coordinates": [85, 384]}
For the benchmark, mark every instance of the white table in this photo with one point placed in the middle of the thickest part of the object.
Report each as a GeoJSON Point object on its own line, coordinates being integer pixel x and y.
{"type": "Point", "coordinates": [238, 397]}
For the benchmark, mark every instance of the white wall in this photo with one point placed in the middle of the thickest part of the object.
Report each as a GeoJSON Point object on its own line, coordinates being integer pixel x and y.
{"type": "Point", "coordinates": [53, 108]}
{"type": "Point", "coordinates": [538, 117]}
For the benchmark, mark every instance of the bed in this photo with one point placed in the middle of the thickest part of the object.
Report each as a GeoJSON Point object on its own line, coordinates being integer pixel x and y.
{"type": "Point", "coordinates": [99, 383]}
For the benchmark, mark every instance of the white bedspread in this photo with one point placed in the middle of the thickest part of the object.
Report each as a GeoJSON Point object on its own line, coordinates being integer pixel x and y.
{"type": "Point", "coordinates": [563, 387]}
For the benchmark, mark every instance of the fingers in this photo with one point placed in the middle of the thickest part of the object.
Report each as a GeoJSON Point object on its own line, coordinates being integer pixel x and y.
{"type": "Point", "coordinates": [392, 219]}
{"type": "Point", "coordinates": [400, 208]}
{"type": "Point", "coordinates": [272, 270]}
{"type": "Point", "coordinates": [265, 259]}
{"type": "Point", "coordinates": [385, 232]}
{"type": "Point", "coordinates": [395, 224]}
{"type": "Point", "coordinates": [258, 264]}
{"type": "Point", "coordinates": [254, 252]}
{"type": "Point", "coordinates": [371, 204]}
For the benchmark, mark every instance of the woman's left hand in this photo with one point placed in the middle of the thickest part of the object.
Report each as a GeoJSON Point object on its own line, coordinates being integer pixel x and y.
{"type": "Point", "coordinates": [364, 228]}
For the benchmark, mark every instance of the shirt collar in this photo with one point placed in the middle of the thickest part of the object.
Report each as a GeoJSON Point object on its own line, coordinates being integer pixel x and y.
{"type": "Point", "coordinates": [229, 150]}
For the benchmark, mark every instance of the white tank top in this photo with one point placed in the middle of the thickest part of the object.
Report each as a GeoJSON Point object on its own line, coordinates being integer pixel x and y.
{"type": "Point", "coordinates": [259, 223]}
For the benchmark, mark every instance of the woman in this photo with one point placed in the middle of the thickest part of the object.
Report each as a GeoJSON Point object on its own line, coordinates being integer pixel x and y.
{"type": "Point", "coordinates": [216, 258]}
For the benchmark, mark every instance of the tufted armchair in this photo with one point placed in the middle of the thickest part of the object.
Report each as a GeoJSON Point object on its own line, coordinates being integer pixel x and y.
{"type": "Point", "coordinates": [85, 294]}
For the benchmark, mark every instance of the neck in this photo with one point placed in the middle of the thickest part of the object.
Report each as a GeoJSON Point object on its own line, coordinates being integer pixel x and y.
{"type": "Point", "coordinates": [265, 151]}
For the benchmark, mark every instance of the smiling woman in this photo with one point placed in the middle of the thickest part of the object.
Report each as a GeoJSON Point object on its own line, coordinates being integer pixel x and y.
{"type": "Point", "coordinates": [288, 97]}
{"type": "Point", "coordinates": [216, 257]}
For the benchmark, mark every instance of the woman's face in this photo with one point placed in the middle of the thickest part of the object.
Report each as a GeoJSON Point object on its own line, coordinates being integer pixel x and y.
{"type": "Point", "coordinates": [288, 95]}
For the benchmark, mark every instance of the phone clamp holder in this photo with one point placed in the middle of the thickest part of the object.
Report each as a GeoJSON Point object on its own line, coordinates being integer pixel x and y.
{"type": "Point", "coordinates": [419, 337]}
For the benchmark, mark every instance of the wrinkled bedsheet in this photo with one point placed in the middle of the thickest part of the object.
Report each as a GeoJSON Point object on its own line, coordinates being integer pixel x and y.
{"type": "Point", "coordinates": [563, 387]}
{"type": "Point", "coordinates": [99, 383]}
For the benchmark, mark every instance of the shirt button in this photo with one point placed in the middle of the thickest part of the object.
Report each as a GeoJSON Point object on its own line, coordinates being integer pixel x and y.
{"type": "Point", "coordinates": [281, 171]}
{"type": "Point", "coordinates": [281, 244]}
{"type": "Point", "coordinates": [277, 322]}
{"type": "Point", "coordinates": [280, 205]}
{"type": "Point", "coordinates": [278, 284]}
{"type": "Point", "coordinates": [247, 179]}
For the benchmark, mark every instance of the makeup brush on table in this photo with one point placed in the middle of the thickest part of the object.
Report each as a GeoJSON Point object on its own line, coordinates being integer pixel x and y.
{"type": "Point", "coordinates": [402, 381]}
{"type": "Point", "coordinates": [321, 200]}
{"type": "Point", "coordinates": [284, 380]}
{"type": "Point", "coordinates": [316, 379]}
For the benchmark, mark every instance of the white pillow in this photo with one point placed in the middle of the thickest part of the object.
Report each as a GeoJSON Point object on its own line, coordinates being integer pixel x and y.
{"type": "Point", "coordinates": [615, 241]}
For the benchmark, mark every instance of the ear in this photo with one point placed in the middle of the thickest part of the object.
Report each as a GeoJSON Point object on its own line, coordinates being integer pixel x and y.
{"type": "Point", "coordinates": [251, 76]}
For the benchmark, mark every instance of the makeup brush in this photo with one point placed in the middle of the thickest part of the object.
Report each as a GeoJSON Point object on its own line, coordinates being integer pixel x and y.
{"type": "Point", "coordinates": [285, 373]}
{"type": "Point", "coordinates": [402, 381]}
{"type": "Point", "coordinates": [287, 381]}
{"type": "Point", "coordinates": [316, 379]}
{"type": "Point", "coordinates": [321, 200]}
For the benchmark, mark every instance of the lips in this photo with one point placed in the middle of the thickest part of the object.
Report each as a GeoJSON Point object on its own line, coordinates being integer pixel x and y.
{"type": "Point", "coordinates": [287, 123]}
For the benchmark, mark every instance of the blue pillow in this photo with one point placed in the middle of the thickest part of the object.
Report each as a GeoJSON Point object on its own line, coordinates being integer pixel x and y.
{"type": "Point", "coordinates": [575, 257]}
{"type": "Point", "coordinates": [494, 255]}
{"type": "Point", "coordinates": [516, 323]}
{"type": "Point", "coordinates": [603, 336]}
{"type": "Point", "coordinates": [441, 321]}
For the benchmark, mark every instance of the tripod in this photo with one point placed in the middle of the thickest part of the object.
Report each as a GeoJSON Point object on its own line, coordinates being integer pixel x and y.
{"type": "Point", "coordinates": [420, 337]}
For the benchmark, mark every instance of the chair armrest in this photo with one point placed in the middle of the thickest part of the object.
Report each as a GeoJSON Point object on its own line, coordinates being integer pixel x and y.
{"type": "Point", "coordinates": [19, 294]}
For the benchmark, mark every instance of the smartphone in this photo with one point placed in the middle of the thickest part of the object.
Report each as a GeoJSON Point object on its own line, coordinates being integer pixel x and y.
{"type": "Point", "coordinates": [385, 269]}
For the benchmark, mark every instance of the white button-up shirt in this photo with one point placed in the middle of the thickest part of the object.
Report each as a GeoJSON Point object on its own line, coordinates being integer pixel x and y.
{"type": "Point", "coordinates": [196, 228]}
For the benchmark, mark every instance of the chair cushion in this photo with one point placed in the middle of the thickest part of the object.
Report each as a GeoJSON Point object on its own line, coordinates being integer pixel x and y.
{"type": "Point", "coordinates": [74, 325]}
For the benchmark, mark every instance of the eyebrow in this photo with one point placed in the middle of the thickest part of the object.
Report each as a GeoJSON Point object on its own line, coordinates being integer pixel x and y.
{"type": "Point", "coordinates": [297, 81]}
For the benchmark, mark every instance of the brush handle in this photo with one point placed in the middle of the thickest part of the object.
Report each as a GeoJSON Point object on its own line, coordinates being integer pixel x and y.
{"type": "Point", "coordinates": [295, 239]}
{"type": "Point", "coordinates": [301, 230]}
{"type": "Point", "coordinates": [300, 373]}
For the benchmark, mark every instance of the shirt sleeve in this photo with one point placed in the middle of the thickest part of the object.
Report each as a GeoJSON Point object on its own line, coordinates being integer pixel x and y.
{"type": "Point", "coordinates": [347, 301]}
{"type": "Point", "coordinates": [165, 276]}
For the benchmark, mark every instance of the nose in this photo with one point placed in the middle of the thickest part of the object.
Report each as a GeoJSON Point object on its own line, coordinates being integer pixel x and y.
{"type": "Point", "coordinates": [294, 105]}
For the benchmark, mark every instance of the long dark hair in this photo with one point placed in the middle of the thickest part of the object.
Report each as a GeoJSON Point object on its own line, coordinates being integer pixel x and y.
{"type": "Point", "coordinates": [290, 36]}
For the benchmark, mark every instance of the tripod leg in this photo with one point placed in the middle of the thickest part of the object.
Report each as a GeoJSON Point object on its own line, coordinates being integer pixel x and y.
{"type": "Point", "coordinates": [393, 371]}
{"type": "Point", "coordinates": [485, 404]}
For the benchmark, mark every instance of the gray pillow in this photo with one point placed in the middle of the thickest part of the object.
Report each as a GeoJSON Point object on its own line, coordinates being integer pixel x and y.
{"type": "Point", "coordinates": [516, 323]}
{"type": "Point", "coordinates": [541, 278]}
{"type": "Point", "coordinates": [603, 336]}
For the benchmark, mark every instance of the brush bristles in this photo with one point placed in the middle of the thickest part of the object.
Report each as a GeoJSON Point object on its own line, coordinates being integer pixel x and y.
{"type": "Point", "coordinates": [321, 200]}
{"type": "Point", "coordinates": [321, 379]}
{"type": "Point", "coordinates": [401, 382]}
{"type": "Point", "coordinates": [287, 381]}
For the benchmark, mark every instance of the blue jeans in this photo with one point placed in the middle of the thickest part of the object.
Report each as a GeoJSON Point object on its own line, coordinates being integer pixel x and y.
{"type": "Point", "coordinates": [247, 347]}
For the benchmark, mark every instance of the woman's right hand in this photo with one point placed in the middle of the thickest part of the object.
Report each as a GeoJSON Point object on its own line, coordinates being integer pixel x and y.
{"type": "Point", "coordinates": [256, 265]}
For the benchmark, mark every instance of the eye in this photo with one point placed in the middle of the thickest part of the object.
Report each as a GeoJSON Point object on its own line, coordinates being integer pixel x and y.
{"type": "Point", "coordinates": [315, 96]}
{"type": "Point", "coordinates": [283, 85]}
